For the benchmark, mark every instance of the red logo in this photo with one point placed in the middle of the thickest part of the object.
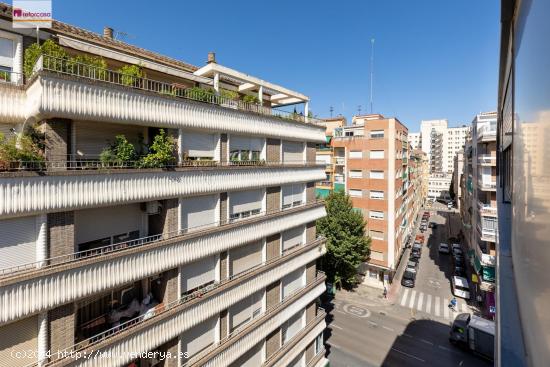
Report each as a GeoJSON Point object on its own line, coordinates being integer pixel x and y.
{"type": "Point", "coordinates": [17, 13]}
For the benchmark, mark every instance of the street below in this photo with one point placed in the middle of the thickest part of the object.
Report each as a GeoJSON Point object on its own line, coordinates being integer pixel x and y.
{"type": "Point", "coordinates": [411, 328]}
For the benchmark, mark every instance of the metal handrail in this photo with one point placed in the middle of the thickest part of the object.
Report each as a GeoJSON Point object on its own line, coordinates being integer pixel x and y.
{"type": "Point", "coordinates": [109, 249]}
{"type": "Point", "coordinates": [86, 343]}
{"type": "Point", "coordinates": [70, 67]}
{"type": "Point", "coordinates": [95, 164]}
{"type": "Point", "coordinates": [11, 77]}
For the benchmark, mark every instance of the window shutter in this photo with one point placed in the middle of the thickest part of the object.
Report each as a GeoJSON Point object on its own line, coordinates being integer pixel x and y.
{"type": "Point", "coordinates": [293, 281]}
{"type": "Point", "coordinates": [293, 237]}
{"type": "Point", "coordinates": [198, 273]}
{"type": "Point", "coordinates": [245, 257]}
{"type": "Point", "coordinates": [199, 337]}
{"type": "Point", "coordinates": [293, 152]}
{"type": "Point", "coordinates": [241, 201]}
{"type": "Point", "coordinates": [17, 241]}
{"type": "Point", "coordinates": [244, 311]}
{"type": "Point", "coordinates": [198, 145]}
{"type": "Point", "coordinates": [199, 212]}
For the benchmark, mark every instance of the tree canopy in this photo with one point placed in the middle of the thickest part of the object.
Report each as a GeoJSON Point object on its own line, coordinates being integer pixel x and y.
{"type": "Point", "coordinates": [347, 245]}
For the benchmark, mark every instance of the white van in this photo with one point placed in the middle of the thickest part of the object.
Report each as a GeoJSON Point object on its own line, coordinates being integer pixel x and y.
{"type": "Point", "coordinates": [461, 288]}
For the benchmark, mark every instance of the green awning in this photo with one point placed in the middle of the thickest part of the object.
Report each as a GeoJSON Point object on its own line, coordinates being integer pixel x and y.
{"type": "Point", "coordinates": [477, 265]}
{"type": "Point", "coordinates": [322, 193]}
{"type": "Point", "coordinates": [328, 139]}
{"type": "Point", "coordinates": [339, 187]}
{"type": "Point", "coordinates": [488, 273]}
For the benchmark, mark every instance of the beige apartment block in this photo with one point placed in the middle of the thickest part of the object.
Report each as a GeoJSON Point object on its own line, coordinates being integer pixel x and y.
{"type": "Point", "coordinates": [325, 155]}
{"type": "Point", "coordinates": [210, 256]}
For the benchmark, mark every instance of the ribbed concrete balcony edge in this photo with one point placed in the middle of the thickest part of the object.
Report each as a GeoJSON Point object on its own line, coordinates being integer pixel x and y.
{"type": "Point", "coordinates": [39, 194]}
{"type": "Point", "coordinates": [156, 331]}
{"type": "Point", "coordinates": [232, 348]}
{"type": "Point", "coordinates": [31, 295]}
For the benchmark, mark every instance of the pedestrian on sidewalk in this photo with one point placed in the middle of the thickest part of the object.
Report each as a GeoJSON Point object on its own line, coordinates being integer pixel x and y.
{"type": "Point", "coordinates": [385, 293]}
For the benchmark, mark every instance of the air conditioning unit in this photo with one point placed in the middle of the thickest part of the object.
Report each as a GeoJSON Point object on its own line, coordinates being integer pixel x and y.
{"type": "Point", "coordinates": [153, 207]}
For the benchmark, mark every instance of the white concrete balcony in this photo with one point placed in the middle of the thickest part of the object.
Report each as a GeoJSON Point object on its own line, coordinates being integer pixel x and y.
{"type": "Point", "coordinates": [29, 292]}
{"type": "Point", "coordinates": [486, 160]}
{"type": "Point", "coordinates": [487, 133]}
{"type": "Point", "coordinates": [27, 193]}
{"type": "Point", "coordinates": [486, 185]}
{"type": "Point", "coordinates": [487, 234]}
{"type": "Point", "coordinates": [228, 350]}
{"type": "Point", "coordinates": [486, 209]}
{"type": "Point", "coordinates": [57, 90]}
{"type": "Point", "coordinates": [146, 334]}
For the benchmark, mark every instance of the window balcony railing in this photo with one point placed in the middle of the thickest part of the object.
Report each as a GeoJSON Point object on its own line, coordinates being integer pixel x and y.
{"type": "Point", "coordinates": [139, 242]}
{"type": "Point", "coordinates": [339, 160]}
{"type": "Point", "coordinates": [185, 298]}
{"type": "Point", "coordinates": [80, 70]}
{"type": "Point", "coordinates": [486, 233]}
{"type": "Point", "coordinates": [487, 159]}
{"type": "Point", "coordinates": [324, 183]}
{"type": "Point", "coordinates": [11, 77]}
{"type": "Point", "coordinates": [486, 185]}
{"type": "Point", "coordinates": [73, 163]}
{"type": "Point", "coordinates": [486, 209]}
{"type": "Point", "coordinates": [487, 133]}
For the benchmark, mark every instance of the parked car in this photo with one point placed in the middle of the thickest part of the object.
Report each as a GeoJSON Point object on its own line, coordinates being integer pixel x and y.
{"type": "Point", "coordinates": [415, 259]}
{"type": "Point", "coordinates": [427, 214]}
{"type": "Point", "coordinates": [417, 246]}
{"type": "Point", "coordinates": [455, 245]}
{"type": "Point", "coordinates": [412, 265]}
{"type": "Point", "coordinates": [461, 288]}
{"type": "Point", "coordinates": [422, 228]}
{"type": "Point", "coordinates": [432, 225]}
{"type": "Point", "coordinates": [408, 278]}
{"type": "Point", "coordinates": [458, 260]}
{"type": "Point", "coordinates": [459, 271]}
{"type": "Point", "coordinates": [444, 248]}
{"type": "Point", "coordinates": [458, 251]}
{"type": "Point", "coordinates": [416, 254]}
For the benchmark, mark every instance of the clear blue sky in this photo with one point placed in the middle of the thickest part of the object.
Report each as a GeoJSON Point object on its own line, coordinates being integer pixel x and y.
{"type": "Point", "coordinates": [434, 58]}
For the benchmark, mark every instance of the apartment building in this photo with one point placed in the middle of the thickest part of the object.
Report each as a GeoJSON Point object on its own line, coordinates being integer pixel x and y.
{"type": "Point", "coordinates": [457, 178]}
{"type": "Point", "coordinates": [523, 186]}
{"type": "Point", "coordinates": [415, 140]}
{"type": "Point", "coordinates": [199, 240]}
{"type": "Point", "coordinates": [325, 155]}
{"type": "Point", "coordinates": [372, 158]}
{"type": "Point", "coordinates": [479, 207]}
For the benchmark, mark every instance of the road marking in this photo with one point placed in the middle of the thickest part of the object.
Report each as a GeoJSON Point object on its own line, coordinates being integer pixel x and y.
{"type": "Point", "coordinates": [444, 348]}
{"type": "Point", "coordinates": [446, 308]}
{"type": "Point", "coordinates": [437, 303]}
{"type": "Point", "coordinates": [339, 311]}
{"type": "Point", "coordinates": [426, 341]}
{"type": "Point", "coordinates": [429, 304]}
{"type": "Point", "coordinates": [404, 299]}
{"type": "Point", "coordinates": [336, 326]}
{"type": "Point", "coordinates": [373, 323]}
{"type": "Point", "coordinates": [407, 335]}
{"type": "Point", "coordinates": [420, 299]}
{"type": "Point", "coordinates": [413, 296]}
{"type": "Point", "coordinates": [408, 355]}
{"type": "Point", "coordinates": [387, 328]}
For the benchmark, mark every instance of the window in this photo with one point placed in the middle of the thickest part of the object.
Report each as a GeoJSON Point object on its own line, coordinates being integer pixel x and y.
{"type": "Point", "coordinates": [355, 193]}
{"type": "Point", "coordinates": [293, 195]}
{"type": "Point", "coordinates": [319, 344]}
{"type": "Point", "coordinates": [355, 174]}
{"type": "Point", "coordinates": [293, 152]}
{"type": "Point", "coordinates": [375, 214]}
{"type": "Point", "coordinates": [376, 235]}
{"type": "Point", "coordinates": [244, 204]}
{"type": "Point", "coordinates": [376, 154]}
{"type": "Point", "coordinates": [377, 255]}
{"type": "Point", "coordinates": [198, 146]}
{"type": "Point", "coordinates": [374, 194]}
{"type": "Point", "coordinates": [376, 175]}
{"type": "Point", "coordinates": [243, 148]}
{"type": "Point", "coordinates": [292, 326]}
{"type": "Point", "coordinates": [293, 237]}
{"type": "Point", "coordinates": [377, 134]}
{"type": "Point", "coordinates": [6, 59]}
{"type": "Point", "coordinates": [356, 154]}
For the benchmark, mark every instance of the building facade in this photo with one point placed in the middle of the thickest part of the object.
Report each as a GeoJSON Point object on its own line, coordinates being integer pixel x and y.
{"type": "Point", "coordinates": [199, 240]}
{"type": "Point", "coordinates": [457, 178]}
{"type": "Point", "coordinates": [415, 140]}
{"type": "Point", "coordinates": [523, 186]}
{"type": "Point", "coordinates": [325, 155]}
{"type": "Point", "coordinates": [373, 157]}
{"type": "Point", "coordinates": [479, 206]}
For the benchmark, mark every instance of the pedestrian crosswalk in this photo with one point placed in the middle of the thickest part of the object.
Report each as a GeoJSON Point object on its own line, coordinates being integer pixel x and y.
{"type": "Point", "coordinates": [433, 305]}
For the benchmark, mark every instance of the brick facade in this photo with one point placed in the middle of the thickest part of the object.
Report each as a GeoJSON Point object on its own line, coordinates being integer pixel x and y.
{"type": "Point", "coordinates": [61, 234]}
{"type": "Point", "coordinates": [273, 342]}
{"type": "Point", "coordinates": [273, 294]}
{"type": "Point", "coordinates": [273, 151]}
{"type": "Point", "coordinates": [223, 207]}
{"type": "Point", "coordinates": [273, 198]}
{"type": "Point", "coordinates": [311, 270]}
{"type": "Point", "coordinates": [57, 135]}
{"type": "Point", "coordinates": [61, 327]}
{"type": "Point", "coordinates": [172, 347]}
{"type": "Point", "coordinates": [224, 330]}
{"type": "Point", "coordinates": [310, 192]}
{"type": "Point", "coordinates": [311, 232]}
{"type": "Point", "coordinates": [311, 153]}
{"type": "Point", "coordinates": [170, 286]}
{"type": "Point", "coordinates": [170, 210]}
{"type": "Point", "coordinates": [273, 246]}
{"type": "Point", "coordinates": [223, 265]}
{"type": "Point", "coordinates": [223, 147]}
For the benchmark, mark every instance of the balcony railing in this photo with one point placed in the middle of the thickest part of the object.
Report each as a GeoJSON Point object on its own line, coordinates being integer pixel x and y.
{"type": "Point", "coordinates": [69, 67]}
{"type": "Point", "coordinates": [75, 164]}
{"type": "Point", "coordinates": [11, 77]}
{"type": "Point", "coordinates": [486, 159]}
{"type": "Point", "coordinates": [485, 185]}
{"type": "Point", "coordinates": [139, 242]}
{"type": "Point", "coordinates": [487, 234]}
{"type": "Point", "coordinates": [200, 293]}
{"type": "Point", "coordinates": [487, 133]}
{"type": "Point", "coordinates": [324, 183]}
{"type": "Point", "coordinates": [339, 160]}
{"type": "Point", "coordinates": [486, 209]}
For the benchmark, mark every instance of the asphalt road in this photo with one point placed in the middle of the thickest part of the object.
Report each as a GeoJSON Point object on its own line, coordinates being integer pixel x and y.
{"type": "Point", "coordinates": [364, 332]}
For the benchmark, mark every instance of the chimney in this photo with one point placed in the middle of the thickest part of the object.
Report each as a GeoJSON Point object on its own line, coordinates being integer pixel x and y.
{"type": "Point", "coordinates": [108, 32]}
{"type": "Point", "coordinates": [211, 57]}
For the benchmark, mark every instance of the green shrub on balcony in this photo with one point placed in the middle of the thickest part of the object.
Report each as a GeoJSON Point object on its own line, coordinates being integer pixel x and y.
{"type": "Point", "coordinates": [200, 94]}
{"type": "Point", "coordinates": [121, 152]}
{"type": "Point", "coordinates": [161, 152]}
{"type": "Point", "coordinates": [229, 94]}
{"type": "Point", "coordinates": [131, 74]}
{"type": "Point", "coordinates": [4, 76]}
{"type": "Point", "coordinates": [20, 152]}
{"type": "Point", "coordinates": [251, 99]}
{"type": "Point", "coordinates": [88, 66]}
{"type": "Point", "coordinates": [34, 51]}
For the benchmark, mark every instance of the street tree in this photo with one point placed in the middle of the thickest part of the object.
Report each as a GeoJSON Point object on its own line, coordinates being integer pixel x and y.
{"type": "Point", "coordinates": [347, 245]}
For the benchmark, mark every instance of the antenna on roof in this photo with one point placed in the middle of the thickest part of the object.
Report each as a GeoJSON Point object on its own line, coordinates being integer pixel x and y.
{"type": "Point", "coordinates": [121, 36]}
{"type": "Point", "coordinates": [331, 110]}
{"type": "Point", "coordinates": [359, 110]}
{"type": "Point", "coordinates": [371, 70]}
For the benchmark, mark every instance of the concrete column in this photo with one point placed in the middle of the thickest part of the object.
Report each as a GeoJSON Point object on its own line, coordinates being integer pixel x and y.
{"type": "Point", "coordinates": [306, 110]}
{"type": "Point", "coordinates": [180, 146]}
{"type": "Point", "coordinates": [42, 338]}
{"type": "Point", "coordinates": [42, 240]}
{"type": "Point", "coordinates": [217, 83]}
{"type": "Point", "coordinates": [261, 94]}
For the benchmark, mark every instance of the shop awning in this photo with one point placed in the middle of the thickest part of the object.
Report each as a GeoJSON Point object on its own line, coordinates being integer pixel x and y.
{"type": "Point", "coordinates": [488, 273]}
{"type": "Point", "coordinates": [328, 139]}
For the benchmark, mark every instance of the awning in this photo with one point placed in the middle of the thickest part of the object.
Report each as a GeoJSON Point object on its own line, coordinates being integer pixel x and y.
{"type": "Point", "coordinates": [488, 273]}
{"type": "Point", "coordinates": [328, 139]}
{"type": "Point", "coordinates": [477, 265]}
{"type": "Point", "coordinates": [322, 193]}
{"type": "Point", "coordinates": [474, 278]}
